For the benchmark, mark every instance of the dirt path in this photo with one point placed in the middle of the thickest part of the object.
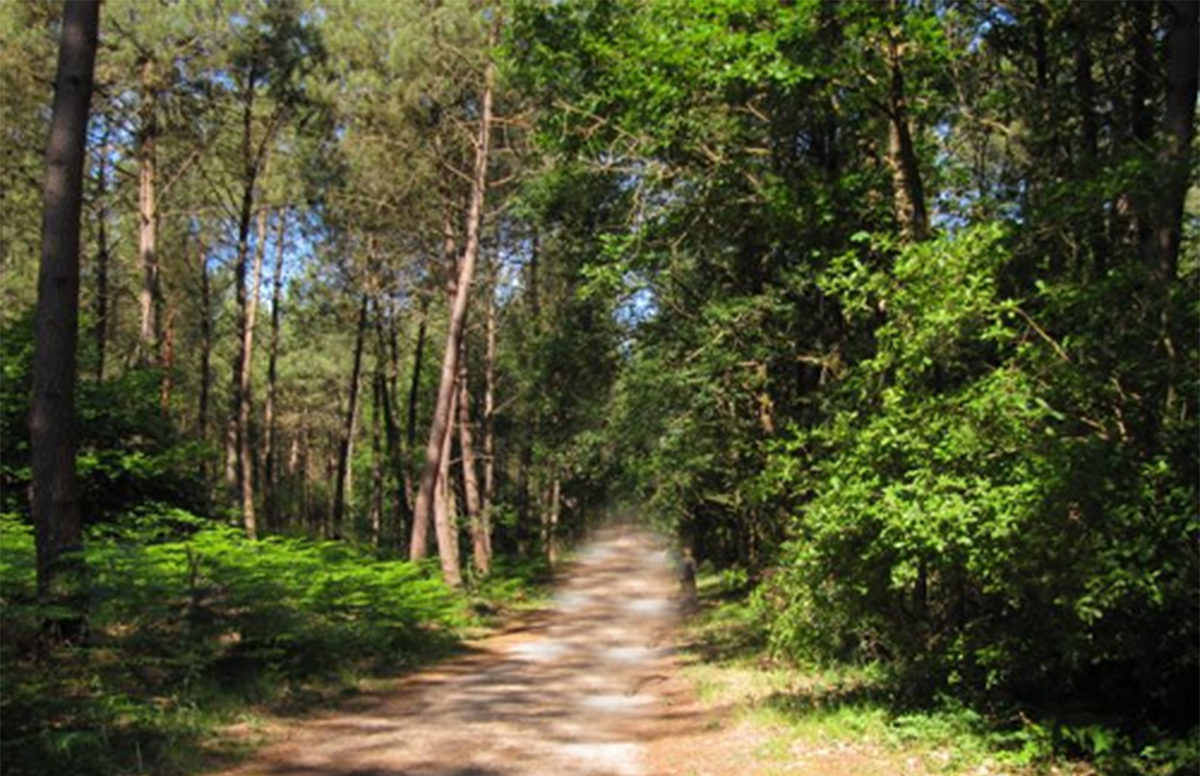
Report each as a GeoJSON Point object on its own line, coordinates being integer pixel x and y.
{"type": "Point", "coordinates": [583, 690]}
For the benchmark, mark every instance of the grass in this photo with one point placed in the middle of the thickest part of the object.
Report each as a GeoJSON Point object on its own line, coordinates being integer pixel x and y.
{"type": "Point", "coordinates": [851, 719]}
{"type": "Point", "coordinates": [201, 642]}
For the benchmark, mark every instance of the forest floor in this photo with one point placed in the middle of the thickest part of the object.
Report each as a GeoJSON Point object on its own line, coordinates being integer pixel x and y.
{"type": "Point", "coordinates": [605, 682]}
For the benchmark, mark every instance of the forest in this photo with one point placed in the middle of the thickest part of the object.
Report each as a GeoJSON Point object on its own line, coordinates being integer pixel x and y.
{"type": "Point", "coordinates": [329, 328]}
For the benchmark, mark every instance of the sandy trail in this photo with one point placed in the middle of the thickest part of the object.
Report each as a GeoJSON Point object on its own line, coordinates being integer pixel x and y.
{"type": "Point", "coordinates": [577, 692]}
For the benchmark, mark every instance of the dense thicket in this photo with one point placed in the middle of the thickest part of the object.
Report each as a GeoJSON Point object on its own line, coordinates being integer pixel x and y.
{"type": "Point", "coordinates": [891, 306]}
{"type": "Point", "coordinates": [913, 333]}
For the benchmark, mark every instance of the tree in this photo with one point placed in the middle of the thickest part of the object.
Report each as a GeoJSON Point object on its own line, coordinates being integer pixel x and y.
{"type": "Point", "coordinates": [52, 421]}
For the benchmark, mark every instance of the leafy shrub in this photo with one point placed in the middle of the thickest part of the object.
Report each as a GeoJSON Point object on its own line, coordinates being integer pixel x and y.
{"type": "Point", "coordinates": [979, 514]}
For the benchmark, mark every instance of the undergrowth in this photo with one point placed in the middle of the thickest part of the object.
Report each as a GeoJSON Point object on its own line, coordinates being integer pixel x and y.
{"type": "Point", "coordinates": [866, 706]}
{"type": "Point", "coordinates": [193, 628]}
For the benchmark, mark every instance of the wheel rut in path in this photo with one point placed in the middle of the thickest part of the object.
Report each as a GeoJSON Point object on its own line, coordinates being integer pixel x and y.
{"type": "Point", "coordinates": [575, 693]}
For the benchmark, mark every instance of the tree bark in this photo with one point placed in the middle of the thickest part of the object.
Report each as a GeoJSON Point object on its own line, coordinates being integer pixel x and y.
{"type": "Point", "coordinates": [1166, 233]}
{"type": "Point", "coordinates": [386, 385]}
{"type": "Point", "coordinates": [239, 475]}
{"type": "Point", "coordinates": [148, 215]}
{"type": "Point", "coordinates": [445, 517]}
{"type": "Point", "coordinates": [489, 411]}
{"type": "Point", "coordinates": [379, 415]}
{"type": "Point", "coordinates": [458, 315]}
{"type": "Point", "coordinates": [481, 554]}
{"type": "Point", "coordinates": [61, 574]}
{"type": "Point", "coordinates": [909, 191]}
{"type": "Point", "coordinates": [101, 301]}
{"type": "Point", "coordinates": [205, 344]}
{"type": "Point", "coordinates": [243, 374]}
{"type": "Point", "coordinates": [269, 424]}
{"type": "Point", "coordinates": [345, 447]}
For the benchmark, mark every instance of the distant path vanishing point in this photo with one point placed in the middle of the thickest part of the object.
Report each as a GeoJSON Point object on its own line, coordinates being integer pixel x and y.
{"type": "Point", "coordinates": [571, 694]}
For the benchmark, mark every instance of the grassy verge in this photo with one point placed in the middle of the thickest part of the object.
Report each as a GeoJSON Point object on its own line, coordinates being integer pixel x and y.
{"type": "Point", "coordinates": [851, 720]}
{"type": "Point", "coordinates": [200, 641]}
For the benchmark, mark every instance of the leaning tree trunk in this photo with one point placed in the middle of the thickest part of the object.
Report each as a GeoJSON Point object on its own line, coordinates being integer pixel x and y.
{"type": "Point", "coordinates": [458, 314]}
{"type": "Point", "coordinates": [61, 574]}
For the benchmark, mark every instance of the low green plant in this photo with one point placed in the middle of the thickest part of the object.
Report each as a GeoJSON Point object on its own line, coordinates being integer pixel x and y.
{"type": "Point", "coordinates": [190, 622]}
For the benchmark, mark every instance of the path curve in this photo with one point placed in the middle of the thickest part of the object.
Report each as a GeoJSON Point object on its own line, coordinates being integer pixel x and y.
{"type": "Point", "coordinates": [575, 693]}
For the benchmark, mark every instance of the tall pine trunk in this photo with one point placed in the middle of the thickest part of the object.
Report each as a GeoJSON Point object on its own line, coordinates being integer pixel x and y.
{"type": "Point", "coordinates": [489, 410]}
{"type": "Point", "coordinates": [101, 299]}
{"type": "Point", "coordinates": [147, 152]}
{"type": "Point", "coordinates": [445, 517]}
{"type": "Point", "coordinates": [346, 443]}
{"type": "Point", "coordinates": [1166, 221]}
{"type": "Point", "coordinates": [61, 574]}
{"type": "Point", "coordinates": [481, 554]}
{"type": "Point", "coordinates": [271, 508]}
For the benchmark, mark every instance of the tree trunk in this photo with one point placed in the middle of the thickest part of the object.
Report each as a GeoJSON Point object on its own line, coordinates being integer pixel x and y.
{"type": "Point", "coordinates": [481, 555]}
{"type": "Point", "coordinates": [414, 390]}
{"type": "Point", "coordinates": [346, 446]}
{"type": "Point", "coordinates": [238, 436]}
{"type": "Point", "coordinates": [378, 414]}
{"type": "Point", "coordinates": [458, 314]}
{"type": "Point", "coordinates": [167, 361]}
{"type": "Point", "coordinates": [248, 304]}
{"type": "Point", "coordinates": [1166, 233]}
{"type": "Point", "coordinates": [148, 214]}
{"type": "Point", "coordinates": [489, 412]}
{"type": "Point", "coordinates": [61, 574]}
{"type": "Point", "coordinates": [909, 192]}
{"type": "Point", "coordinates": [445, 517]}
{"type": "Point", "coordinates": [269, 424]}
{"type": "Point", "coordinates": [100, 326]}
{"type": "Point", "coordinates": [386, 385]}
{"type": "Point", "coordinates": [205, 344]}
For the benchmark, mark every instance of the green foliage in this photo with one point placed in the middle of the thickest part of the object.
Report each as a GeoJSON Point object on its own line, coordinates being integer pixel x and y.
{"type": "Point", "coordinates": [185, 615]}
{"type": "Point", "coordinates": [973, 527]}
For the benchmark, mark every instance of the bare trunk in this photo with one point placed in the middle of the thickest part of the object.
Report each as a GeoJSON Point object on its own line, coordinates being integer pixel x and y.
{"type": "Point", "coordinates": [458, 315]}
{"type": "Point", "coordinates": [377, 455]}
{"type": "Point", "coordinates": [100, 326]}
{"type": "Point", "coordinates": [489, 418]}
{"type": "Point", "coordinates": [244, 374]}
{"type": "Point", "coordinates": [342, 483]}
{"type": "Point", "coordinates": [269, 424]}
{"type": "Point", "coordinates": [1183, 72]}
{"type": "Point", "coordinates": [167, 361]}
{"type": "Point", "coordinates": [908, 189]}
{"type": "Point", "coordinates": [445, 517]}
{"type": "Point", "coordinates": [148, 214]}
{"type": "Point", "coordinates": [238, 472]}
{"type": "Point", "coordinates": [61, 574]}
{"type": "Point", "coordinates": [481, 556]}
{"type": "Point", "coordinates": [205, 344]}
{"type": "Point", "coordinates": [385, 386]}
{"type": "Point", "coordinates": [410, 441]}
